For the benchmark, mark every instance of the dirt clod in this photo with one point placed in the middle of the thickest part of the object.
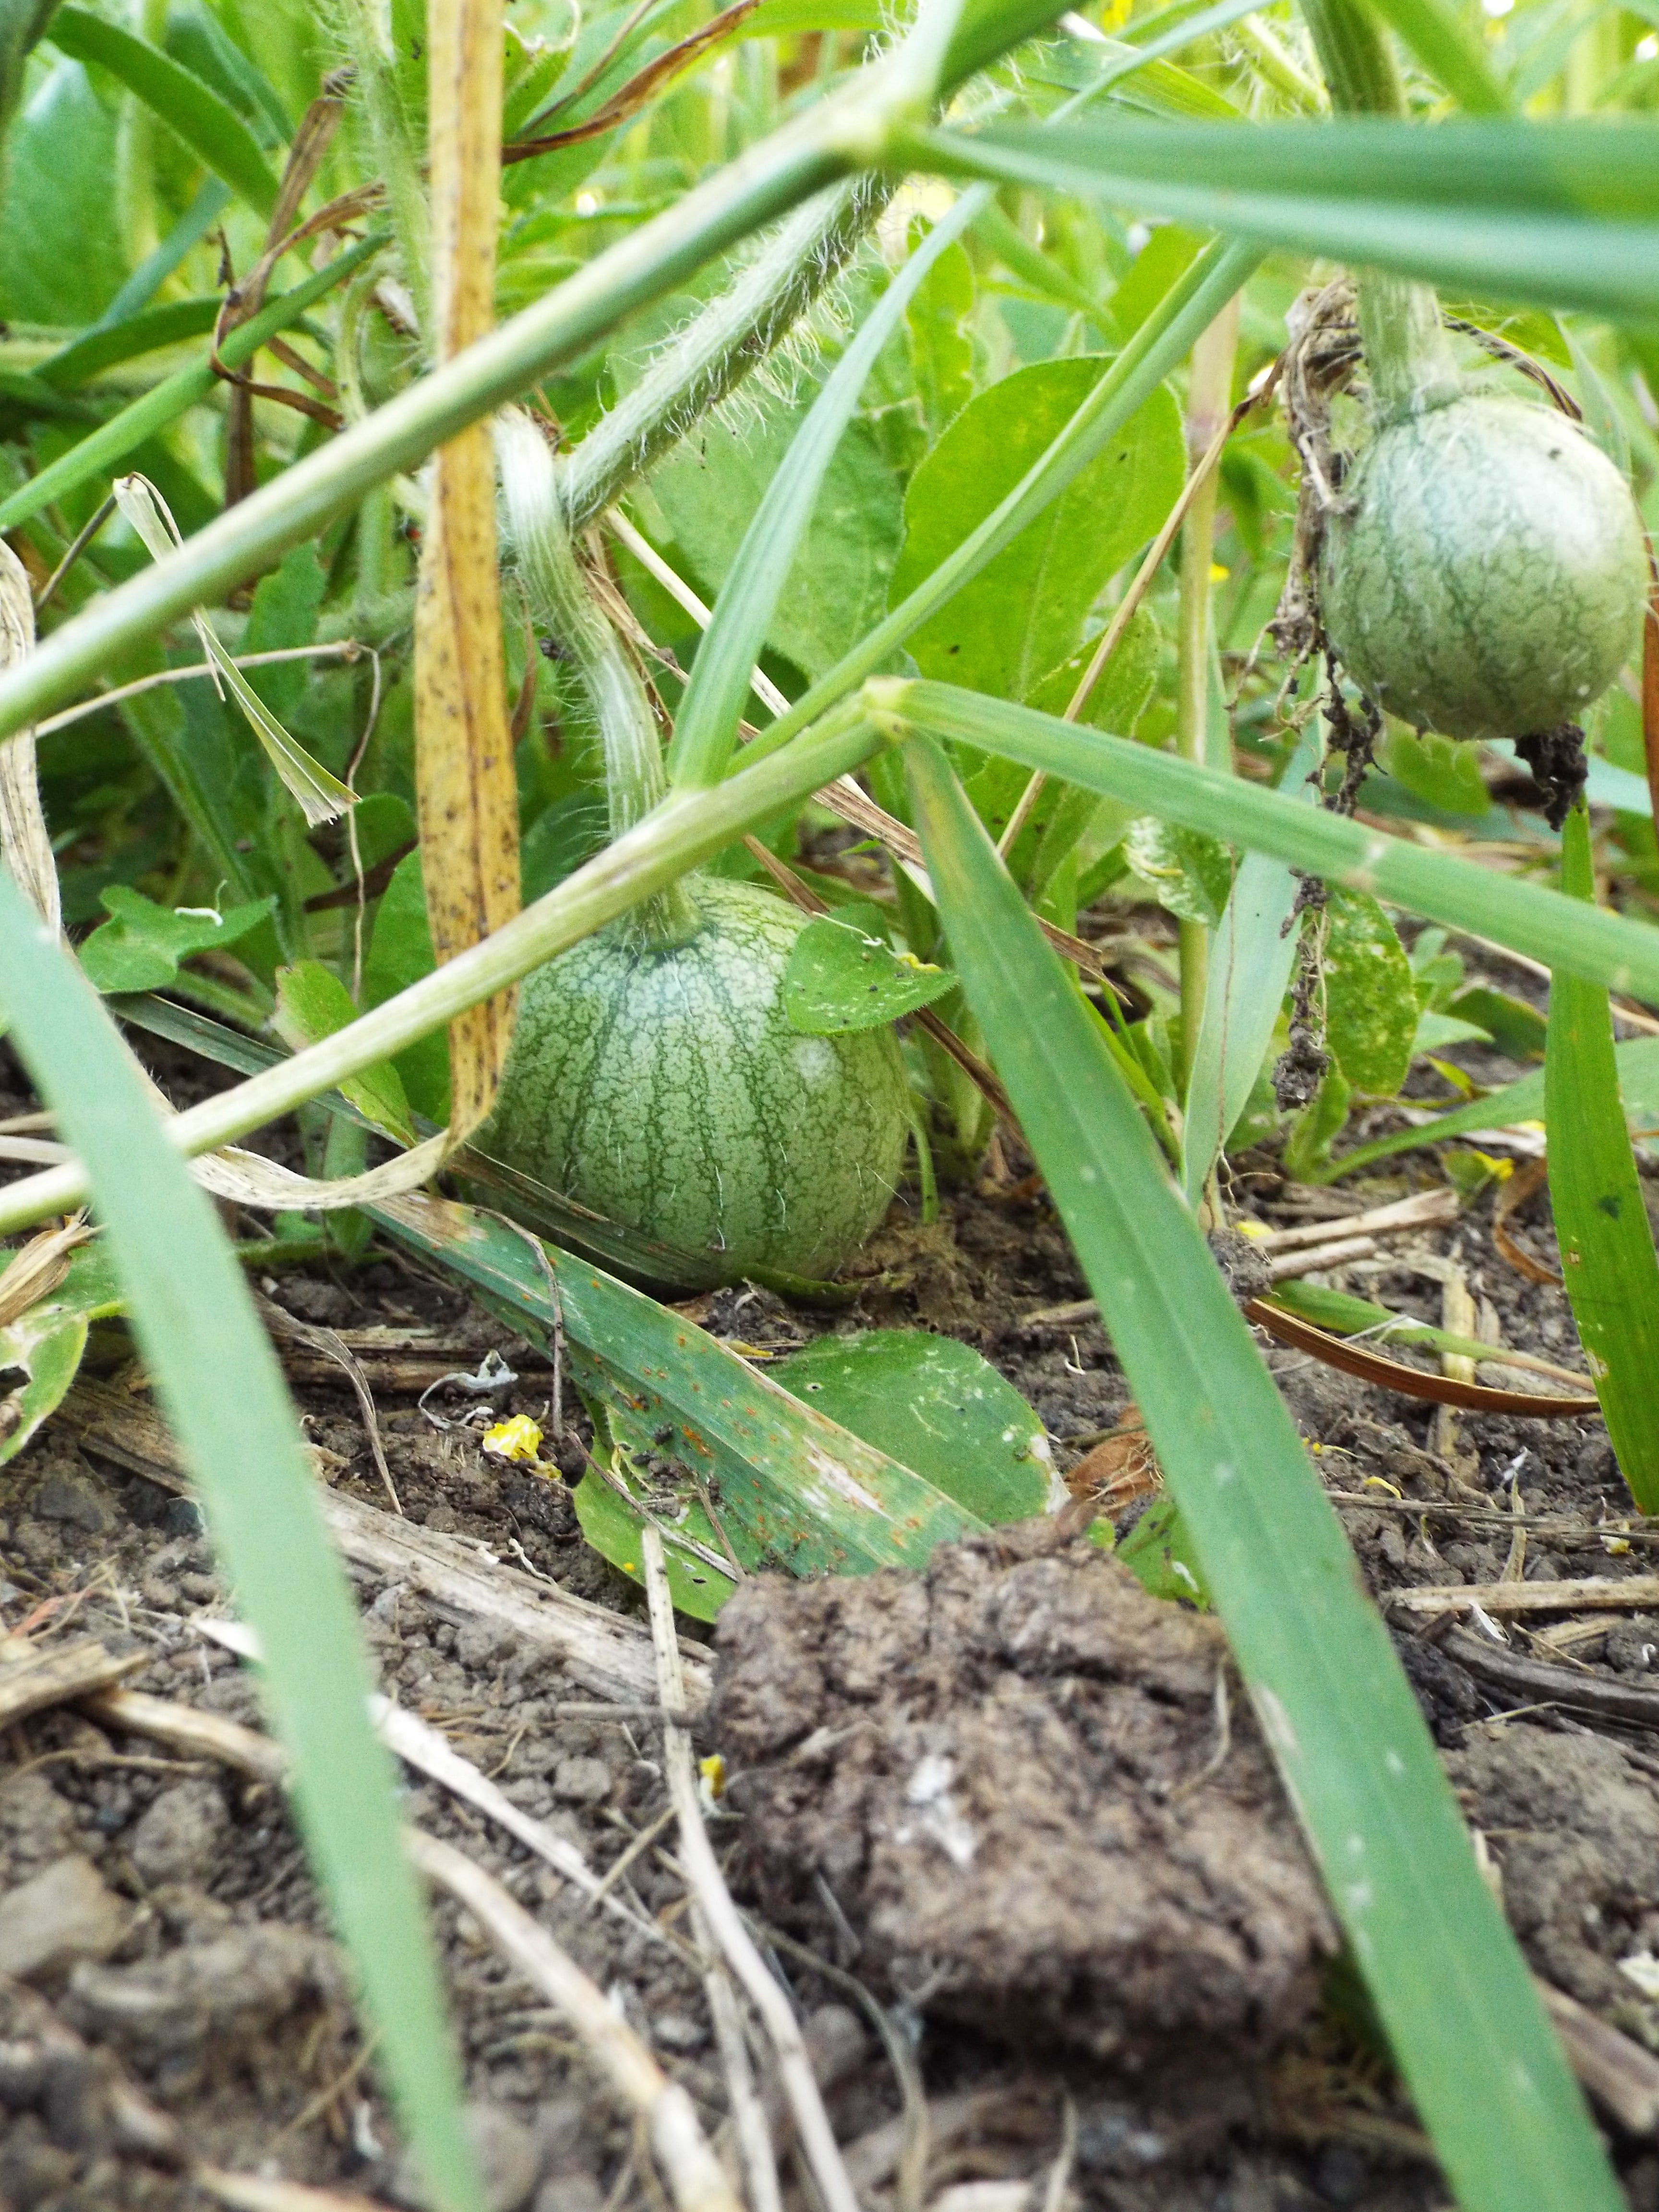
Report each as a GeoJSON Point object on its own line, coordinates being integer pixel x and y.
{"type": "Point", "coordinates": [1011, 1778]}
{"type": "Point", "coordinates": [61, 1915]}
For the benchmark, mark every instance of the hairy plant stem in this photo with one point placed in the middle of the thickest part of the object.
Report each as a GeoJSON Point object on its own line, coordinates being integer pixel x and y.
{"type": "Point", "coordinates": [395, 157]}
{"type": "Point", "coordinates": [1209, 397]}
{"type": "Point", "coordinates": [560, 597]}
{"type": "Point", "coordinates": [1406, 349]}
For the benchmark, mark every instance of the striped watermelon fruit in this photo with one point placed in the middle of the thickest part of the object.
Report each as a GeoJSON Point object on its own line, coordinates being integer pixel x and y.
{"type": "Point", "coordinates": [1484, 572]}
{"type": "Point", "coordinates": [662, 1086]}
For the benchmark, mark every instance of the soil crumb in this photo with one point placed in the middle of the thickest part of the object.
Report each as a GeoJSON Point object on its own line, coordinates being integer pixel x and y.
{"type": "Point", "coordinates": [1027, 1793]}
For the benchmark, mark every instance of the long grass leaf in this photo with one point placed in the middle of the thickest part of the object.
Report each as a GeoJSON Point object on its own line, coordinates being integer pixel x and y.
{"type": "Point", "coordinates": [1608, 1259]}
{"type": "Point", "coordinates": [705, 728]}
{"type": "Point", "coordinates": [226, 1401]}
{"type": "Point", "coordinates": [212, 130]}
{"type": "Point", "coordinates": [1636, 1062]}
{"type": "Point", "coordinates": [1587, 941]}
{"type": "Point", "coordinates": [1451, 1987]}
{"type": "Point", "coordinates": [1601, 265]}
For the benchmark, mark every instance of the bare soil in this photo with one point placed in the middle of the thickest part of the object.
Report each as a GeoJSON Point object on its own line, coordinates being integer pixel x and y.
{"type": "Point", "coordinates": [1004, 1800]}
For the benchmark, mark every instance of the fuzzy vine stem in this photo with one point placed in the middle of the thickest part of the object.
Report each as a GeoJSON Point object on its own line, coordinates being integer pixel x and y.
{"type": "Point", "coordinates": [1406, 349]}
{"type": "Point", "coordinates": [395, 157]}
{"type": "Point", "coordinates": [560, 597]}
{"type": "Point", "coordinates": [721, 346]}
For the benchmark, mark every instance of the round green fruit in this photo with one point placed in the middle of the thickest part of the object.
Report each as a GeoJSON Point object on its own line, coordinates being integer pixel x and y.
{"type": "Point", "coordinates": [1484, 572]}
{"type": "Point", "coordinates": [663, 1087]}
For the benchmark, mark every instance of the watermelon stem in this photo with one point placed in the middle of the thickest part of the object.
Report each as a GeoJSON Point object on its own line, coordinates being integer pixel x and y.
{"type": "Point", "coordinates": [561, 600]}
{"type": "Point", "coordinates": [1408, 352]}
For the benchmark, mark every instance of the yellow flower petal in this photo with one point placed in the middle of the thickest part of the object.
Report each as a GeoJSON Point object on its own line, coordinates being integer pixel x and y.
{"type": "Point", "coordinates": [518, 1438]}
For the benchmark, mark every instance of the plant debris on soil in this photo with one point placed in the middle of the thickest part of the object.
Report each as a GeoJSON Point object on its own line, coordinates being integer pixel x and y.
{"type": "Point", "coordinates": [1011, 1813]}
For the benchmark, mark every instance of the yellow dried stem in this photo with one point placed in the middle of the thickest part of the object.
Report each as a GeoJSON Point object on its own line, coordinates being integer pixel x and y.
{"type": "Point", "coordinates": [463, 753]}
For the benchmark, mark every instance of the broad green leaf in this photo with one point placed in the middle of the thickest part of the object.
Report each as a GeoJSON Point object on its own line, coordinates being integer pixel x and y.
{"type": "Point", "coordinates": [562, 836]}
{"type": "Point", "coordinates": [937, 1407]}
{"type": "Point", "coordinates": [1608, 1259]}
{"type": "Point", "coordinates": [1605, 948]}
{"type": "Point", "coordinates": [941, 344]}
{"type": "Point", "coordinates": [399, 954]}
{"type": "Point", "coordinates": [711, 488]}
{"type": "Point", "coordinates": [44, 1345]}
{"type": "Point", "coordinates": [1560, 214]}
{"type": "Point", "coordinates": [1187, 874]}
{"type": "Point", "coordinates": [1514, 1026]}
{"type": "Point", "coordinates": [60, 251]}
{"type": "Point", "coordinates": [139, 948]}
{"type": "Point", "coordinates": [215, 133]}
{"type": "Point", "coordinates": [838, 979]}
{"type": "Point", "coordinates": [1126, 684]}
{"type": "Point", "coordinates": [1159, 1553]}
{"type": "Point", "coordinates": [1371, 1001]}
{"type": "Point", "coordinates": [311, 1002]}
{"type": "Point", "coordinates": [1454, 1995]}
{"type": "Point", "coordinates": [224, 1397]}
{"type": "Point", "coordinates": [284, 614]}
{"type": "Point", "coordinates": [927, 1402]}
{"type": "Point", "coordinates": [1023, 614]}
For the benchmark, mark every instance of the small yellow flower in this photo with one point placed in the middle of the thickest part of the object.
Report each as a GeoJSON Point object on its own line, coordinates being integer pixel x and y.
{"type": "Point", "coordinates": [516, 1439]}
{"type": "Point", "coordinates": [713, 1773]}
{"type": "Point", "coordinates": [1217, 574]}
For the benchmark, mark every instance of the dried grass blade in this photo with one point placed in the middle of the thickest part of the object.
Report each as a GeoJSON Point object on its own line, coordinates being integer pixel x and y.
{"type": "Point", "coordinates": [25, 841]}
{"type": "Point", "coordinates": [468, 801]}
{"type": "Point", "coordinates": [1409, 1381]}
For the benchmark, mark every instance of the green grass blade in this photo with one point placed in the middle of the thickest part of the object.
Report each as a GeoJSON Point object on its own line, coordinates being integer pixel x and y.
{"type": "Point", "coordinates": [1250, 962]}
{"type": "Point", "coordinates": [228, 1405]}
{"type": "Point", "coordinates": [1608, 1259]}
{"type": "Point", "coordinates": [1602, 266]}
{"type": "Point", "coordinates": [706, 727]}
{"type": "Point", "coordinates": [213, 131]}
{"type": "Point", "coordinates": [1166, 336]}
{"type": "Point", "coordinates": [1440, 40]}
{"type": "Point", "coordinates": [1637, 1062]}
{"type": "Point", "coordinates": [1451, 1987]}
{"type": "Point", "coordinates": [111, 343]}
{"type": "Point", "coordinates": [1602, 948]}
{"type": "Point", "coordinates": [97, 454]}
